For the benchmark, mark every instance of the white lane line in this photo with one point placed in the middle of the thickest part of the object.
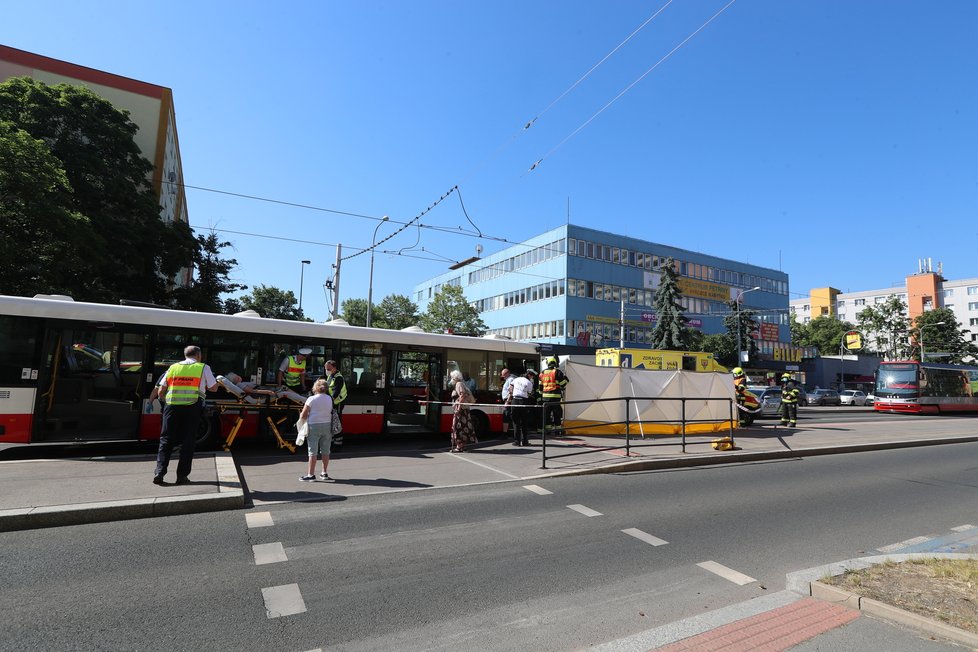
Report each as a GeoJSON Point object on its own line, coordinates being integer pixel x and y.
{"type": "Point", "coordinates": [537, 489]}
{"type": "Point", "coordinates": [587, 511]}
{"type": "Point", "coordinates": [645, 536]}
{"type": "Point", "coordinates": [468, 459]}
{"type": "Point", "coordinates": [904, 544]}
{"type": "Point", "coordinates": [726, 573]}
{"type": "Point", "coordinates": [285, 600]}
{"type": "Point", "coordinates": [259, 519]}
{"type": "Point", "coordinates": [962, 528]}
{"type": "Point", "coordinates": [269, 553]}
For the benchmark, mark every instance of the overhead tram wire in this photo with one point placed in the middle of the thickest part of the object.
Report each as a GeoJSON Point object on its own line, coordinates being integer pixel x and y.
{"type": "Point", "coordinates": [628, 88]}
{"type": "Point", "coordinates": [502, 148]}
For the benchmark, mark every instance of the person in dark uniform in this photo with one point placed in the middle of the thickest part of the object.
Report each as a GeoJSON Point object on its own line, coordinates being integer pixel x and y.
{"type": "Point", "coordinates": [789, 401]}
{"type": "Point", "coordinates": [337, 390]}
{"type": "Point", "coordinates": [520, 396]}
{"type": "Point", "coordinates": [183, 387]}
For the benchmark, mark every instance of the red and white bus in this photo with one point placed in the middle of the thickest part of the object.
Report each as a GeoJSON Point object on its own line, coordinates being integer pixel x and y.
{"type": "Point", "coordinates": [925, 388]}
{"type": "Point", "coordinates": [82, 372]}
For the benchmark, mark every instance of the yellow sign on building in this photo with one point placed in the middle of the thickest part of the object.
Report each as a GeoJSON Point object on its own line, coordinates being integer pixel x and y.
{"type": "Point", "coordinates": [691, 287]}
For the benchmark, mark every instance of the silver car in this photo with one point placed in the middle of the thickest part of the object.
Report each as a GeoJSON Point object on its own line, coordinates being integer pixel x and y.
{"type": "Point", "coordinates": [852, 397]}
{"type": "Point", "coordinates": [770, 399]}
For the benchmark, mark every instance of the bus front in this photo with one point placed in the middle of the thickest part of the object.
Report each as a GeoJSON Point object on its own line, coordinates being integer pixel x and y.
{"type": "Point", "coordinates": [898, 387]}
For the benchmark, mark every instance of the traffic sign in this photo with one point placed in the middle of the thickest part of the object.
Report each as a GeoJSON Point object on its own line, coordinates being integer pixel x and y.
{"type": "Point", "coordinates": [854, 341]}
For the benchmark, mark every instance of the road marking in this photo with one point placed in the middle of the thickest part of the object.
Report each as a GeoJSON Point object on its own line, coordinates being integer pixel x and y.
{"type": "Point", "coordinates": [469, 459]}
{"type": "Point", "coordinates": [645, 536]}
{"type": "Point", "coordinates": [904, 544]}
{"type": "Point", "coordinates": [269, 553]}
{"type": "Point", "coordinates": [259, 519]}
{"type": "Point", "coordinates": [726, 573]}
{"type": "Point", "coordinates": [285, 600]}
{"type": "Point", "coordinates": [962, 528]}
{"type": "Point", "coordinates": [537, 489]}
{"type": "Point", "coordinates": [587, 511]}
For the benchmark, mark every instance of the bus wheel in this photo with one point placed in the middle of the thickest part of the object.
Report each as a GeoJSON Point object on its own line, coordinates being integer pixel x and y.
{"type": "Point", "coordinates": [207, 431]}
{"type": "Point", "coordinates": [480, 422]}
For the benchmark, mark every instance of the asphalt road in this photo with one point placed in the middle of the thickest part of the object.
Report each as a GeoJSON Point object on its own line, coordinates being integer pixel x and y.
{"type": "Point", "coordinates": [491, 567]}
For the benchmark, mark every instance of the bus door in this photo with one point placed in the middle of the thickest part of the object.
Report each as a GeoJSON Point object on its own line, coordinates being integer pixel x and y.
{"type": "Point", "coordinates": [90, 384]}
{"type": "Point", "coordinates": [412, 386]}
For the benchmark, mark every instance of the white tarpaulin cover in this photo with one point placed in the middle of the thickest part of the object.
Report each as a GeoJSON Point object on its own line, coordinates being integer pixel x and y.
{"type": "Point", "coordinates": [657, 415]}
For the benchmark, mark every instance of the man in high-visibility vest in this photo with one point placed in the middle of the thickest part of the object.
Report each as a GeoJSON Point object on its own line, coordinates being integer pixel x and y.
{"type": "Point", "coordinates": [789, 401]}
{"type": "Point", "coordinates": [337, 390]}
{"type": "Point", "coordinates": [552, 384]}
{"type": "Point", "coordinates": [183, 387]}
{"type": "Point", "coordinates": [292, 372]}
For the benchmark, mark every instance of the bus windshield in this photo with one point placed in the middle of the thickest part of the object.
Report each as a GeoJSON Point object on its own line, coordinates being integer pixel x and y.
{"type": "Point", "coordinates": [897, 380]}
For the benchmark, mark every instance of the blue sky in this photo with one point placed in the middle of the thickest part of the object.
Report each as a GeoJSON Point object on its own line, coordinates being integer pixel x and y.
{"type": "Point", "coordinates": [834, 140]}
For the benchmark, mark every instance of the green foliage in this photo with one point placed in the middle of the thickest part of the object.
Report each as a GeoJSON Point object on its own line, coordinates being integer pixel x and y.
{"type": "Point", "coordinates": [826, 334]}
{"type": "Point", "coordinates": [942, 342]}
{"type": "Point", "coordinates": [395, 312]}
{"type": "Point", "coordinates": [273, 303]}
{"type": "Point", "coordinates": [450, 312]}
{"type": "Point", "coordinates": [748, 327]}
{"type": "Point", "coordinates": [210, 278]}
{"type": "Point", "coordinates": [70, 160]}
{"type": "Point", "coordinates": [670, 332]}
{"type": "Point", "coordinates": [884, 328]}
{"type": "Point", "coordinates": [354, 311]}
{"type": "Point", "coordinates": [721, 345]}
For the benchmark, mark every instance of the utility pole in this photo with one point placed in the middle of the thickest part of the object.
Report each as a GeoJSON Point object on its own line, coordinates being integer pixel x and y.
{"type": "Point", "coordinates": [336, 283]}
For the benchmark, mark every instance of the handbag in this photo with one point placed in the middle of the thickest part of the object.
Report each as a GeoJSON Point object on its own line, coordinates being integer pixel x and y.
{"type": "Point", "coordinates": [335, 427]}
{"type": "Point", "coordinates": [302, 427]}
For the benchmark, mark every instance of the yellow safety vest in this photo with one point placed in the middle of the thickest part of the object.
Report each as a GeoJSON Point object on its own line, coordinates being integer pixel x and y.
{"type": "Point", "coordinates": [183, 383]}
{"type": "Point", "coordinates": [342, 397]}
{"type": "Point", "coordinates": [293, 373]}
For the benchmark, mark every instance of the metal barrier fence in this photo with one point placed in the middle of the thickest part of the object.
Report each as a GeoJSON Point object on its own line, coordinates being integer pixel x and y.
{"type": "Point", "coordinates": [683, 421]}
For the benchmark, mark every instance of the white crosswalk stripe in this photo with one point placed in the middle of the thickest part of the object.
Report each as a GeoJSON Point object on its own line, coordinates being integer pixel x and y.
{"type": "Point", "coordinates": [587, 511]}
{"type": "Point", "coordinates": [537, 489]}
{"type": "Point", "coordinates": [285, 600]}
{"type": "Point", "coordinates": [726, 573]}
{"type": "Point", "coordinates": [269, 553]}
{"type": "Point", "coordinates": [259, 519]}
{"type": "Point", "coordinates": [645, 536]}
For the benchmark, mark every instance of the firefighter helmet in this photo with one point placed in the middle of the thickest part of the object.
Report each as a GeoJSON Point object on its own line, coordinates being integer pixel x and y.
{"type": "Point", "coordinates": [737, 372]}
{"type": "Point", "coordinates": [785, 378]}
{"type": "Point", "coordinates": [551, 361]}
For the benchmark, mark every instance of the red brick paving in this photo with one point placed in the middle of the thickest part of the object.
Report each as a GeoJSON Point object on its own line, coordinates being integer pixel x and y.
{"type": "Point", "coordinates": [771, 631]}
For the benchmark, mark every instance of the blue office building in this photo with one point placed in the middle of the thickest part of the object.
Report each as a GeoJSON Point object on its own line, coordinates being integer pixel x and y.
{"type": "Point", "coordinates": [566, 287]}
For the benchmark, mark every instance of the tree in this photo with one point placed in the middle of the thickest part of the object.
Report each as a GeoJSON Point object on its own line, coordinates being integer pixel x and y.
{"type": "Point", "coordinates": [210, 278]}
{"type": "Point", "coordinates": [721, 345]}
{"type": "Point", "coordinates": [395, 312]}
{"type": "Point", "coordinates": [354, 311]}
{"type": "Point", "coordinates": [450, 312]}
{"type": "Point", "coordinates": [748, 326]}
{"type": "Point", "coordinates": [35, 216]}
{"type": "Point", "coordinates": [799, 331]}
{"type": "Point", "coordinates": [826, 333]}
{"type": "Point", "coordinates": [273, 303]}
{"type": "Point", "coordinates": [940, 336]}
{"type": "Point", "coordinates": [128, 251]}
{"type": "Point", "coordinates": [884, 327]}
{"type": "Point", "coordinates": [670, 332]}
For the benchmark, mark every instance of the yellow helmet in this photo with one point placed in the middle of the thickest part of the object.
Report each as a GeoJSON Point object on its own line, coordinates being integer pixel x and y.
{"type": "Point", "coordinates": [551, 361]}
{"type": "Point", "coordinates": [785, 378]}
{"type": "Point", "coordinates": [737, 372]}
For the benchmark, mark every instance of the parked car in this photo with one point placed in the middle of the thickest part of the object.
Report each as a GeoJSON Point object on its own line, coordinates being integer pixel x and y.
{"type": "Point", "coordinates": [852, 397]}
{"type": "Point", "coordinates": [824, 397]}
{"type": "Point", "coordinates": [870, 399]}
{"type": "Point", "coordinates": [770, 398]}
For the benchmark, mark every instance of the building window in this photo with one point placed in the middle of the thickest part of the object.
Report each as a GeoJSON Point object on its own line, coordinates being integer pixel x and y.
{"type": "Point", "coordinates": [879, 300]}
{"type": "Point", "coordinates": [858, 302]}
{"type": "Point", "coordinates": [947, 293]}
{"type": "Point", "coordinates": [973, 305]}
{"type": "Point", "coordinates": [973, 290]}
{"type": "Point", "coordinates": [973, 321]}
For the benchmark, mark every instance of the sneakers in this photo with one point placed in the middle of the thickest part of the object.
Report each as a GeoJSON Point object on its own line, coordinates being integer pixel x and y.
{"type": "Point", "coordinates": [323, 476]}
{"type": "Point", "coordinates": [158, 479]}
{"type": "Point", "coordinates": [308, 478]}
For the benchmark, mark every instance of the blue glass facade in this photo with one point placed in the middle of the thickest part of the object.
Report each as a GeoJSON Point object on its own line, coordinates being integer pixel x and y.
{"type": "Point", "coordinates": [566, 286]}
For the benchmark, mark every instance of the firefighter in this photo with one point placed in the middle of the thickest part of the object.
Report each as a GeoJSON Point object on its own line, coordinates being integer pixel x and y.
{"type": "Point", "coordinates": [790, 395]}
{"type": "Point", "coordinates": [744, 397]}
{"type": "Point", "coordinates": [552, 384]}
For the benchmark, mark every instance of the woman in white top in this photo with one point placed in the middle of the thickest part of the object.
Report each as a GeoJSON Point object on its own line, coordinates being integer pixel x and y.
{"type": "Point", "coordinates": [318, 411]}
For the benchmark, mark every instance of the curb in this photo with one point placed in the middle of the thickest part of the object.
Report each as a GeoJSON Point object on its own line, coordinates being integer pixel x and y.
{"type": "Point", "coordinates": [698, 459]}
{"type": "Point", "coordinates": [230, 495]}
{"type": "Point", "coordinates": [807, 582]}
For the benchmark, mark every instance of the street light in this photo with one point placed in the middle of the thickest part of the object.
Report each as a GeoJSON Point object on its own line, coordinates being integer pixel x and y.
{"type": "Point", "coordinates": [370, 283]}
{"type": "Point", "coordinates": [740, 352]}
{"type": "Point", "coordinates": [302, 269]}
{"type": "Point", "coordinates": [922, 327]}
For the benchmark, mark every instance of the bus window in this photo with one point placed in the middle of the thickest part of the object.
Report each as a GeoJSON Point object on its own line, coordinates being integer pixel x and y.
{"type": "Point", "coordinates": [364, 373]}
{"type": "Point", "coordinates": [472, 364]}
{"type": "Point", "coordinates": [18, 344]}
